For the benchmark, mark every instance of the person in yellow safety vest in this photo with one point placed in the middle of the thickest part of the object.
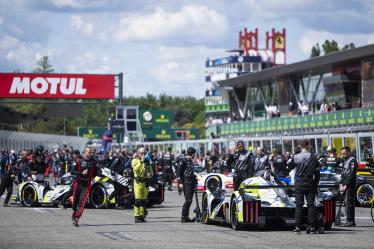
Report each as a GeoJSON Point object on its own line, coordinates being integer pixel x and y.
{"type": "Point", "coordinates": [141, 174]}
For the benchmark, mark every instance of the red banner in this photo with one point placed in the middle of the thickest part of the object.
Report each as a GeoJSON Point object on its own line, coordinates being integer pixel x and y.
{"type": "Point", "coordinates": [59, 86]}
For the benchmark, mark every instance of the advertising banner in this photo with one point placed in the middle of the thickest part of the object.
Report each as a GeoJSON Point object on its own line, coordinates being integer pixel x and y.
{"type": "Point", "coordinates": [338, 119]}
{"type": "Point", "coordinates": [59, 86]}
{"type": "Point", "coordinates": [155, 118]}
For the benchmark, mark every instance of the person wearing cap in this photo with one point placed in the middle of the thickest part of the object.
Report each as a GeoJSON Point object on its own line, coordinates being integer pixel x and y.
{"type": "Point", "coordinates": [347, 184]}
{"type": "Point", "coordinates": [243, 165]}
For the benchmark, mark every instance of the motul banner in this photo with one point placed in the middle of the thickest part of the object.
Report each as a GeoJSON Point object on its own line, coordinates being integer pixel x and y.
{"type": "Point", "coordinates": [60, 86]}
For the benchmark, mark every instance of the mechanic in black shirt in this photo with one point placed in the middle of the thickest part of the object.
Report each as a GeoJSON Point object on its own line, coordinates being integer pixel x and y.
{"type": "Point", "coordinates": [348, 184]}
{"type": "Point", "coordinates": [167, 169]}
{"type": "Point", "coordinates": [7, 179]}
{"type": "Point", "coordinates": [180, 161]}
{"type": "Point", "coordinates": [189, 181]}
{"type": "Point", "coordinates": [306, 182]}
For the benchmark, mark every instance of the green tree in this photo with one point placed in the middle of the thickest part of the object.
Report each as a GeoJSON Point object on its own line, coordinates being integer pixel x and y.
{"type": "Point", "coordinates": [316, 51]}
{"type": "Point", "coordinates": [44, 66]}
{"type": "Point", "coordinates": [329, 47]}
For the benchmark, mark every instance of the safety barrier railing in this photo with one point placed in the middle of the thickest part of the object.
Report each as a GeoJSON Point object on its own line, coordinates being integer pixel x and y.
{"type": "Point", "coordinates": [23, 140]}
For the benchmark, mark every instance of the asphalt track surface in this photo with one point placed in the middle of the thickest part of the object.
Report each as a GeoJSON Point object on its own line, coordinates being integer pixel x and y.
{"type": "Point", "coordinates": [46, 227]}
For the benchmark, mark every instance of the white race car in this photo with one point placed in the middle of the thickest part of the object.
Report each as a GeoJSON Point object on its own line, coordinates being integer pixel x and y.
{"type": "Point", "coordinates": [257, 203]}
{"type": "Point", "coordinates": [227, 181]}
{"type": "Point", "coordinates": [33, 193]}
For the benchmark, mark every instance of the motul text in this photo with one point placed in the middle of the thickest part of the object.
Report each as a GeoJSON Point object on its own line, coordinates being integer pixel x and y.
{"type": "Point", "coordinates": [72, 86]}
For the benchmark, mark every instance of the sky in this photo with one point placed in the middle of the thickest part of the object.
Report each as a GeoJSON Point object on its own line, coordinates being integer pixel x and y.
{"type": "Point", "coordinates": [161, 46]}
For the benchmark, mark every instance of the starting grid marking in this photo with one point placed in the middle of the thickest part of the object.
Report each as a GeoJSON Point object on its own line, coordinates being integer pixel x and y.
{"type": "Point", "coordinates": [116, 235]}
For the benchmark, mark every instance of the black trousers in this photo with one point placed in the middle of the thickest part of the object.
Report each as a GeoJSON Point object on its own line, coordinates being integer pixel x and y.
{"type": "Point", "coordinates": [6, 184]}
{"type": "Point", "coordinates": [81, 192]}
{"type": "Point", "coordinates": [350, 197]}
{"type": "Point", "coordinates": [189, 190]}
{"type": "Point", "coordinates": [309, 192]}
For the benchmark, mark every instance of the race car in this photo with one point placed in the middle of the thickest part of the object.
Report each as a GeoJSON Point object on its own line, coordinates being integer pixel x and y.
{"type": "Point", "coordinates": [257, 203]}
{"type": "Point", "coordinates": [102, 190]}
{"type": "Point", "coordinates": [226, 179]}
{"type": "Point", "coordinates": [33, 193]}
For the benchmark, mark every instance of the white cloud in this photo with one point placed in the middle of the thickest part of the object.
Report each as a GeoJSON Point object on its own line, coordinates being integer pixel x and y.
{"type": "Point", "coordinates": [66, 3]}
{"type": "Point", "coordinates": [192, 23]}
{"type": "Point", "coordinates": [196, 53]}
{"type": "Point", "coordinates": [311, 37]}
{"type": "Point", "coordinates": [174, 73]}
{"type": "Point", "coordinates": [78, 24]}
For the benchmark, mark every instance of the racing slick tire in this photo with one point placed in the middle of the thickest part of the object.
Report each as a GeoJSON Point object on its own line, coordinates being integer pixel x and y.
{"type": "Point", "coordinates": [205, 211]}
{"type": "Point", "coordinates": [98, 196]}
{"type": "Point", "coordinates": [364, 193]}
{"type": "Point", "coordinates": [29, 196]}
{"type": "Point", "coordinates": [234, 216]}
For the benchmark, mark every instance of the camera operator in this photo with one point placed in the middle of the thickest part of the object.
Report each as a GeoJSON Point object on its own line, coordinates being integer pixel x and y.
{"type": "Point", "coordinates": [84, 171]}
{"type": "Point", "coordinates": [189, 181]}
{"type": "Point", "coordinates": [306, 182]}
{"type": "Point", "coordinates": [141, 175]}
{"type": "Point", "coordinates": [348, 184]}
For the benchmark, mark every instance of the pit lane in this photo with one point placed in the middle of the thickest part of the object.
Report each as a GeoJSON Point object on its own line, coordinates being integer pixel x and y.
{"type": "Point", "coordinates": [44, 227]}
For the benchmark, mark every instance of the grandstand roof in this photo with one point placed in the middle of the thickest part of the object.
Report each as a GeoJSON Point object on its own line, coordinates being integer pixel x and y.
{"type": "Point", "coordinates": [313, 66]}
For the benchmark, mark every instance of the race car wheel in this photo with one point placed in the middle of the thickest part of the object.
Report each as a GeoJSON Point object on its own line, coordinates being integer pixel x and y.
{"type": "Point", "coordinates": [364, 194]}
{"type": "Point", "coordinates": [234, 215]}
{"type": "Point", "coordinates": [205, 213]}
{"type": "Point", "coordinates": [98, 196]}
{"type": "Point", "coordinates": [29, 196]}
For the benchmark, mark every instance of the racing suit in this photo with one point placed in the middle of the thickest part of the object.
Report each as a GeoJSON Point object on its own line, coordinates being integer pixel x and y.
{"type": "Point", "coordinates": [180, 161]}
{"type": "Point", "coordinates": [261, 166]}
{"type": "Point", "coordinates": [84, 171]}
{"type": "Point", "coordinates": [306, 182]}
{"type": "Point", "coordinates": [243, 167]}
{"type": "Point", "coordinates": [348, 178]}
{"type": "Point", "coordinates": [189, 181]}
{"type": "Point", "coordinates": [167, 169]}
{"type": "Point", "coordinates": [140, 188]}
